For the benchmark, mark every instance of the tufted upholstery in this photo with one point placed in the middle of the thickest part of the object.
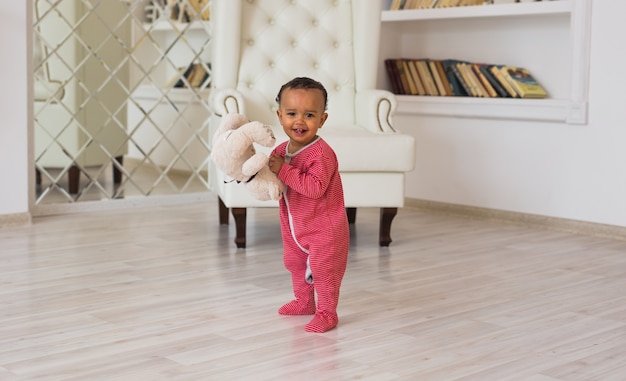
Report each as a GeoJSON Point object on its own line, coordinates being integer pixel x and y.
{"type": "Point", "coordinates": [258, 45]}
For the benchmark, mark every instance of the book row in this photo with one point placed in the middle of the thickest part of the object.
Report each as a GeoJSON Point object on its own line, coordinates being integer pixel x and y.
{"type": "Point", "coordinates": [178, 10]}
{"type": "Point", "coordinates": [195, 75]}
{"type": "Point", "coordinates": [425, 4]}
{"type": "Point", "coordinates": [451, 77]}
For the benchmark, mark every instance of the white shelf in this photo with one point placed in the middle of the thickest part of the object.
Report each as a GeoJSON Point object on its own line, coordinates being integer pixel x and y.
{"type": "Point", "coordinates": [547, 110]}
{"type": "Point", "coordinates": [164, 25]}
{"type": "Point", "coordinates": [497, 10]}
{"type": "Point", "coordinates": [175, 95]}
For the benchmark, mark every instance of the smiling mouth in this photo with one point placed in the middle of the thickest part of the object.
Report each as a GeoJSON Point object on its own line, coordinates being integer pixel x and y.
{"type": "Point", "coordinates": [299, 131]}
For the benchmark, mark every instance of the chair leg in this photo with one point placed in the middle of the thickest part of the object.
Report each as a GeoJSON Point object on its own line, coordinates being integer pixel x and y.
{"type": "Point", "coordinates": [117, 174]}
{"type": "Point", "coordinates": [240, 223]}
{"type": "Point", "coordinates": [223, 212]}
{"type": "Point", "coordinates": [386, 217]}
{"type": "Point", "coordinates": [351, 212]}
{"type": "Point", "coordinates": [239, 214]}
{"type": "Point", "coordinates": [74, 178]}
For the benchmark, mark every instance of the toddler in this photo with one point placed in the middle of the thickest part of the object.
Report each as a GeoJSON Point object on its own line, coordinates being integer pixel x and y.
{"type": "Point", "coordinates": [313, 220]}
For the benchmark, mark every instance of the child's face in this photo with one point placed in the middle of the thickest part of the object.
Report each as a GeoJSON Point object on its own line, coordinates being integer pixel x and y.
{"type": "Point", "coordinates": [301, 113]}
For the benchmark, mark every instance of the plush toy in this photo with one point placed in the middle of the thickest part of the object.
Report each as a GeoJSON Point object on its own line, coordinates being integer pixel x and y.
{"type": "Point", "coordinates": [233, 152]}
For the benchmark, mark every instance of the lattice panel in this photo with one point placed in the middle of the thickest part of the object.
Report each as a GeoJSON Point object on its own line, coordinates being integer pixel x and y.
{"type": "Point", "coordinates": [121, 90]}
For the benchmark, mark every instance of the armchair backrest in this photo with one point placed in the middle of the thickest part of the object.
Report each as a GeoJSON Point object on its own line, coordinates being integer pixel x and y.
{"type": "Point", "coordinates": [258, 45]}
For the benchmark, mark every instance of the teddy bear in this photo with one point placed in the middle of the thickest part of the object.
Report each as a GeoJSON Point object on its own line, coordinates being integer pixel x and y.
{"type": "Point", "coordinates": [233, 152]}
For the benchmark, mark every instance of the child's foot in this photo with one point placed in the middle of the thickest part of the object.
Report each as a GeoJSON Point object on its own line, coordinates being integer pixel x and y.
{"type": "Point", "coordinates": [322, 322]}
{"type": "Point", "coordinates": [296, 307]}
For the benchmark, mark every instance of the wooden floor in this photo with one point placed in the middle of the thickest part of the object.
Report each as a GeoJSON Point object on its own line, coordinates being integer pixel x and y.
{"type": "Point", "coordinates": [163, 294]}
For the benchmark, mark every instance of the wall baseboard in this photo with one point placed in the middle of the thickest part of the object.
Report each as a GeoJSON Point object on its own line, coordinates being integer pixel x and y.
{"type": "Point", "coordinates": [530, 220]}
{"type": "Point", "coordinates": [131, 202]}
{"type": "Point", "coordinates": [15, 219]}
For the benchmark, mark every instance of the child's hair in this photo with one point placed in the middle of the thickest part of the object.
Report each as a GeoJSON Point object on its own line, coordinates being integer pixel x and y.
{"type": "Point", "coordinates": [303, 83]}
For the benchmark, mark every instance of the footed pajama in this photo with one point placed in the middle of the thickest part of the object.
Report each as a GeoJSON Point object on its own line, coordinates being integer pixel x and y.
{"type": "Point", "coordinates": [315, 232]}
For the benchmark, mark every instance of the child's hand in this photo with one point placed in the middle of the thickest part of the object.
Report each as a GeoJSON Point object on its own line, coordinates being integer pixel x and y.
{"type": "Point", "coordinates": [276, 163]}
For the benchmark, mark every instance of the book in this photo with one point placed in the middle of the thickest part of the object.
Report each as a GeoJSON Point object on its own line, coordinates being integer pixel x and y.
{"type": "Point", "coordinates": [479, 84]}
{"type": "Point", "coordinates": [484, 68]}
{"type": "Point", "coordinates": [201, 8]}
{"type": "Point", "coordinates": [392, 74]}
{"type": "Point", "coordinates": [183, 80]}
{"type": "Point", "coordinates": [412, 4]}
{"type": "Point", "coordinates": [433, 3]}
{"type": "Point", "coordinates": [523, 82]}
{"type": "Point", "coordinates": [492, 93]}
{"type": "Point", "coordinates": [455, 84]}
{"type": "Point", "coordinates": [448, 3]}
{"type": "Point", "coordinates": [444, 78]}
{"type": "Point", "coordinates": [404, 80]}
{"type": "Point", "coordinates": [472, 89]}
{"type": "Point", "coordinates": [426, 4]}
{"type": "Point", "coordinates": [495, 70]}
{"type": "Point", "coordinates": [199, 76]}
{"type": "Point", "coordinates": [409, 76]}
{"type": "Point", "coordinates": [396, 5]}
{"type": "Point", "coordinates": [426, 76]}
{"type": "Point", "coordinates": [461, 79]}
{"type": "Point", "coordinates": [435, 74]}
{"type": "Point", "coordinates": [192, 75]}
{"type": "Point", "coordinates": [480, 89]}
{"type": "Point", "coordinates": [195, 75]}
{"type": "Point", "coordinates": [416, 78]}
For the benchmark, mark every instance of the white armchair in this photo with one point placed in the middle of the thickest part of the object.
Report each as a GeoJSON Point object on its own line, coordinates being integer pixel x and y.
{"type": "Point", "coordinates": [258, 45]}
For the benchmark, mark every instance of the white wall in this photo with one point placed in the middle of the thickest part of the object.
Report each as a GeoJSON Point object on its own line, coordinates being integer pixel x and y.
{"type": "Point", "coordinates": [14, 158]}
{"type": "Point", "coordinates": [558, 170]}
{"type": "Point", "coordinates": [567, 171]}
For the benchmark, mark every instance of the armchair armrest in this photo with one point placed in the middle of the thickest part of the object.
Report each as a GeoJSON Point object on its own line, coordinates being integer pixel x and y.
{"type": "Point", "coordinates": [374, 109]}
{"type": "Point", "coordinates": [224, 101]}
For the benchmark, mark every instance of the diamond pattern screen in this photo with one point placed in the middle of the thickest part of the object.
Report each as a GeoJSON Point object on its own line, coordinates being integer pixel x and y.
{"type": "Point", "coordinates": [121, 92]}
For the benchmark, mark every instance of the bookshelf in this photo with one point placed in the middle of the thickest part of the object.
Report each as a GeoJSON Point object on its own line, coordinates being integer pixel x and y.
{"type": "Point", "coordinates": [550, 38]}
{"type": "Point", "coordinates": [162, 48]}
